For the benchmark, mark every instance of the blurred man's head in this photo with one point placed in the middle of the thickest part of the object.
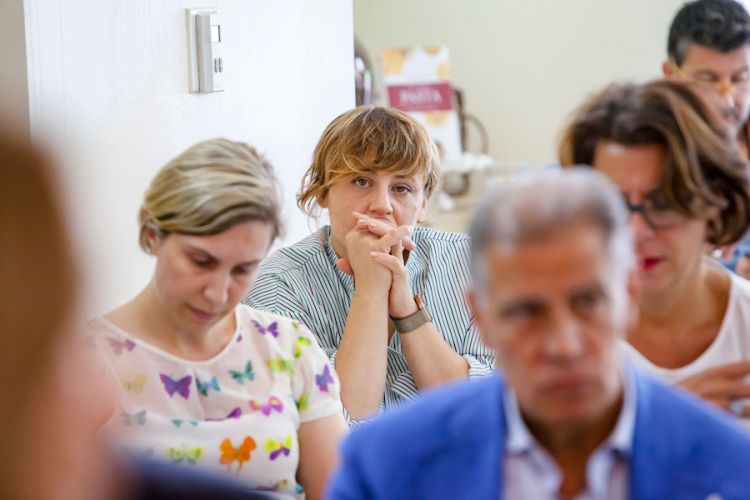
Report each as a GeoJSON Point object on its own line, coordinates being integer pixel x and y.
{"type": "Point", "coordinates": [709, 46]}
{"type": "Point", "coordinates": [742, 267]}
{"type": "Point", "coordinates": [552, 255]}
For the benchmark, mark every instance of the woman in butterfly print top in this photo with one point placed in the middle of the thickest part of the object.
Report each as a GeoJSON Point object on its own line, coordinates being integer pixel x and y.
{"type": "Point", "coordinates": [203, 381]}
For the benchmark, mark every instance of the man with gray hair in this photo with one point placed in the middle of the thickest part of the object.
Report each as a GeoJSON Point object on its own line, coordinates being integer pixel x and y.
{"type": "Point", "coordinates": [567, 418]}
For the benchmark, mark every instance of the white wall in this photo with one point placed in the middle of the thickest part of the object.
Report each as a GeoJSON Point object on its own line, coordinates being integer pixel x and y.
{"type": "Point", "coordinates": [14, 95]}
{"type": "Point", "coordinates": [526, 64]}
{"type": "Point", "coordinates": [108, 88]}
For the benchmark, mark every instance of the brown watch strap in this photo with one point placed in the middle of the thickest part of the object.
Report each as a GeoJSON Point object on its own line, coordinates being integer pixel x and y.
{"type": "Point", "coordinates": [414, 320]}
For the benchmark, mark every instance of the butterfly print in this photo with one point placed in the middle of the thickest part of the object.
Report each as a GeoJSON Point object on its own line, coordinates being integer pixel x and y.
{"type": "Point", "coordinates": [276, 448]}
{"type": "Point", "coordinates": [236, 413]}
{"type": "Point", "coordinates": [324, 379]}
{"type": "Point", "coordinates": [136, 384]}
{"type": "Point", "coordinates": [204, 386]}
{"type": "Point", "coordinates": [303, 403]}
{"type": "Point", "coordinates": [119, 345]}
{"type": "Point", "coordinates": [177, 422]}
{"type": "Point", "coordinates": [240, 376]}
{"type": "Point", "coordinates": [274, 487]}
{"type": "Point", "coordinates": [301, 342]}
{"type": "Point", "coordinates": [241, 454]}
{"type": "Point", "coordinates": [133, 418]}
{"type": "Point", "coordinates": [190, 455]}
{"type": "Point", "coordinates": [273, 328]}
{"type": "Point", "coordinates": [280, 365]}
{"type": "Point", "coordinates": [273, 403]}
{"type": "Point", "coordinates": [181, 386]}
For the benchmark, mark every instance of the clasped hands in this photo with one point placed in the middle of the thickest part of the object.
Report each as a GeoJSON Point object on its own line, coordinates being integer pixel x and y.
{"type": "Point", "coordinates": [375, 257]}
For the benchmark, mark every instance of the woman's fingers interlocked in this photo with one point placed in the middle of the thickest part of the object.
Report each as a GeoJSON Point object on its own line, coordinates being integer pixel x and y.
{"type": "Point", "coordinates": [382, 228]}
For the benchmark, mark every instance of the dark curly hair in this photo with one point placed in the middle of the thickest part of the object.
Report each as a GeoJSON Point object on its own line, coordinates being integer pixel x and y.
{"type": "Point", "coordinates": [721, 25]}
{"type": "Point", "coordinates": [705, 176]}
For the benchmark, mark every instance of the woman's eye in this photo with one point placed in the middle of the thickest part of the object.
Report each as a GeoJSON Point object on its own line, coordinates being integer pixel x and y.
{"type": "Point", "coordinates": [402, 188]}
{"type": "Point", "coordinates": [660, 204]}
{"type": "Point", "coordinates": [242, 270]}
{"type": "Point", "coordinates": [202, 263]}
{"type": "Point", "coordinates": [360, 181]}
{"type": "Point", "coordinates": [587, 301]}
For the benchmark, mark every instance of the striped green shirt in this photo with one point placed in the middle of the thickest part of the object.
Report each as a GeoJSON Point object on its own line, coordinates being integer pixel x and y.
{"type": "Point", "coordinates": [303, 282]}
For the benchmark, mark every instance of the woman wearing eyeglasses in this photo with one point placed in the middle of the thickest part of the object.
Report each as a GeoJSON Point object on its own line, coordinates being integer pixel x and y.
{"type": "Point", "coordinates": [684, 180]}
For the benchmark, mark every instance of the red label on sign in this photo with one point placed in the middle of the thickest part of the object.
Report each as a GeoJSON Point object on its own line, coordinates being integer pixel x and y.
{"type": "Point", "coordinates": [421, 97]}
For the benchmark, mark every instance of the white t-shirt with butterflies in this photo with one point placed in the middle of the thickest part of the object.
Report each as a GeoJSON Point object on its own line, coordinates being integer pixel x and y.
{"type": "Point", "coordinates": [238, 412]}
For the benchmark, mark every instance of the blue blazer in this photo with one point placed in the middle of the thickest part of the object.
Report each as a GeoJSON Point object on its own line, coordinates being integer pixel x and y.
{"type": "Point", "coordinates": [449, 444]}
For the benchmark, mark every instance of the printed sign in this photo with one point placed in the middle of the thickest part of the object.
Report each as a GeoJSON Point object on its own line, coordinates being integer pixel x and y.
{"type": "Point", "coordinates": [417, 81]}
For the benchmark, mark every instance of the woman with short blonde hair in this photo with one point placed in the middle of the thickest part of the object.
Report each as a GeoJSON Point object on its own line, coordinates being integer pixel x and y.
{"type": "Point", "coordinates": [203, 380]}
{"type": "Point", "coordinates": [207, 189]}
{"type": "Point", "coordinates": [364, 284]}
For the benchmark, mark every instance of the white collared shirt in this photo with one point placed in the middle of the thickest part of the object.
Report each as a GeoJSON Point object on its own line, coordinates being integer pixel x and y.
{"type": "Point", "coordinates": [530, 472]}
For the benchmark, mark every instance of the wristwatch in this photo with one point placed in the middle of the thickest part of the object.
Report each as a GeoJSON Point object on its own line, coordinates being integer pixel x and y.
{"type": "Point", "coordinates": [414, 320]}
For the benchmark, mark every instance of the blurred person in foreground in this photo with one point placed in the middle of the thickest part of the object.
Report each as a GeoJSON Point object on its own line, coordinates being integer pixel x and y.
{"type": "Point", "coordinates": [50, 403]}
{"type": "Point", "coordinates": [565, 416]}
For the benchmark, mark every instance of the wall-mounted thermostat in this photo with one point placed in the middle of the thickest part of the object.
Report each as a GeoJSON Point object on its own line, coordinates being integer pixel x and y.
{"type": "Point", "coordinates": [205, 50]}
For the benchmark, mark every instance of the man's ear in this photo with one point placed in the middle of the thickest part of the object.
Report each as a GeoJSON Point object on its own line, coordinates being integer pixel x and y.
{"type": "Point", "coordinates": [471, 299]}
{"type": "Point", "coordinates": [479, 313]}
{"type": "Point", "coordinates": [667, 70]}
{"type": "Point", "coordinates": [476, 311]}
